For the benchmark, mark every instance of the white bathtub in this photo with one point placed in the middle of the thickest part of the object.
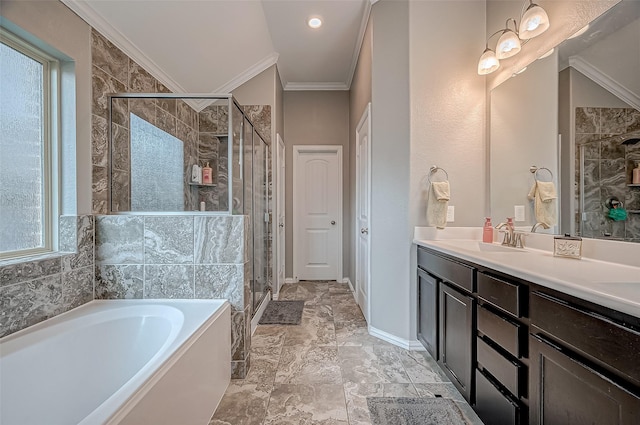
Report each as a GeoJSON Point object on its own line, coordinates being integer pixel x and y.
{"type": "Point", "coordinates": [119, 362]}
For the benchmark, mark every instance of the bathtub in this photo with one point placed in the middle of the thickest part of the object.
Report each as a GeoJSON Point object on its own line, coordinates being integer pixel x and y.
{"type": "Point", "coordinates": [119, 362]}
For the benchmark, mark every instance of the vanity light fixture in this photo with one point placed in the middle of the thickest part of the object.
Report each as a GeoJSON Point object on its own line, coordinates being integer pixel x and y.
{"type": "Point", "coordinates": [549, 53]}
{"type": "Point", "coordinates": [579, 32]}
{"type": "Point", "coordinates": [314, 22]}
{"type": "Point", "coordinates": [533, 22]}
{"type": "Point", "coordinates": [508, 43]}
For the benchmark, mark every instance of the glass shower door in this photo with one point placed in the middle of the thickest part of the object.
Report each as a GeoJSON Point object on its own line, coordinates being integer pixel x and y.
{"type": "Point", "coordinates": [260, 220]}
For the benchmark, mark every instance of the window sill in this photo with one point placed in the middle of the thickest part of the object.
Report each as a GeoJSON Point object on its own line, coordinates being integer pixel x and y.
{"type": "Point", "coordinates": [34, 258]}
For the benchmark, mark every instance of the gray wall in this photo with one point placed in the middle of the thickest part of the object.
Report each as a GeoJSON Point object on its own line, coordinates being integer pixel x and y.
{"type": "Point", "coordinates": [359, 97]}
{"type": "Point", "coordinates": [317, 118]}
{"type": "Point", "coordinates": [390, 159]}
{"type": "Point", "coordinates": [56, 25]}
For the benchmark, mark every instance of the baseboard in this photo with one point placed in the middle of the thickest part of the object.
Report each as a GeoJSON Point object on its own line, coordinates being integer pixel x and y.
{"type": "Point", "coordinates": [258, 315]}
{"type": "Point", "coordinates": [347, 280]}
{"type": "Point", "coordinates": [290, 280]}
{"type": "Point", "coordinates": [412, 345]}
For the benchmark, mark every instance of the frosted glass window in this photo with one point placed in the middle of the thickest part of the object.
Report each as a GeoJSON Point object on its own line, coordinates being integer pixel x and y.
{"type": "Point", "coordinates": [157, 182]}
{"type": "Point", "coordinates": [23, 148]}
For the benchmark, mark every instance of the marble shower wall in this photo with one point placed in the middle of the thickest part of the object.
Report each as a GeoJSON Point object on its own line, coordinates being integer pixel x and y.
{"type": "Point", "coordinates": [114, 72]}
{"type": "Point", "coordinates": [182, 256]}
{"type": "Point", "coordinates": [36, 290]}
{"type": "Point", "coordinates": [608, 165]}
{"type": "Point", "coordinates": [213, 127]}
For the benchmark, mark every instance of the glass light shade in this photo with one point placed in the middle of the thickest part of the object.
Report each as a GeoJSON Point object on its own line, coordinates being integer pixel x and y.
{"type": "Point", "coordinates": [534, 22]}
{"type": "Point", "coordinates": [488, 62]}
{"type": "Point", "coordinates": [508, 45]}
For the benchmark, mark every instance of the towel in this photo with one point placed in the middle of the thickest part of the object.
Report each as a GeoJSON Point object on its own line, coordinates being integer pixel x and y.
{"type": "Point", "coordinates": [544, 195]}
{"type": "Point", "coordinates": [437, 204]}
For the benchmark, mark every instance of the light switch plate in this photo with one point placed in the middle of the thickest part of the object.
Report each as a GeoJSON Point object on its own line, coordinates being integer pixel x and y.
{"type": "Point", "coordinates": [450, 213]}
{"type": "Point", "coordinates": [518, 212]}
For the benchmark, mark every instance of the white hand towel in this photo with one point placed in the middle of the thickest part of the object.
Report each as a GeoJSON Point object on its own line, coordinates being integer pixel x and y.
{"type": "Point", "coordinates": [437, 204]}
{"type": "Point", "coordinates": [544, 208]}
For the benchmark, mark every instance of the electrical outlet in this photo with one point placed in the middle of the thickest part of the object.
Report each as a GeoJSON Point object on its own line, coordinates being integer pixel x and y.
{"type": "Point", "coordinates": [450, 213]}
{"type": "Point", "coordinates": [518, 212]}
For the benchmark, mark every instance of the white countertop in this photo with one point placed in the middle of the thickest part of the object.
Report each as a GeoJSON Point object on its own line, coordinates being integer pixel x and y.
{"type": "Point", "coordinates": [609, 284]}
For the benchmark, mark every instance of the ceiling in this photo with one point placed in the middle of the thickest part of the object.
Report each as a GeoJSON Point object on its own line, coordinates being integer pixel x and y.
{"type": "Point", "coordinates": [214, 46]}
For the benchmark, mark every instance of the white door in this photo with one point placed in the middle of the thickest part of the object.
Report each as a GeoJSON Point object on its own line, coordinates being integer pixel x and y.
{"type": "Point", "coordinates": [279, 213]}
{"type": "Point", "coordinates": [363, 195]}
{"type": "Point", "coordinates": [317, 212]}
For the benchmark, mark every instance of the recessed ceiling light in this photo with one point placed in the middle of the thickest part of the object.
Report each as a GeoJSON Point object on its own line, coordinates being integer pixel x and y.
{"type": "Point", "coordinates": [314, 22]}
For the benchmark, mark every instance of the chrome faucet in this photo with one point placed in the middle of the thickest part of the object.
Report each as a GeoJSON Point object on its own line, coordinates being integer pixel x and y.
{"type": "Point", "coordinates": [537, 225]}
{"type": "Point", "coordinates": [508, 234]}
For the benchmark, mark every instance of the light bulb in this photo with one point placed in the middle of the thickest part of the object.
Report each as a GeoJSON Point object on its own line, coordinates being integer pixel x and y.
{"type": "Point", "coordinates": [488, 62]}
{"type": "Point", "coordinates": [534, 22]}
{"type": "Point", "coordinates": [314, 23]}
{"type": "Point", "coordinates": [508, 45]}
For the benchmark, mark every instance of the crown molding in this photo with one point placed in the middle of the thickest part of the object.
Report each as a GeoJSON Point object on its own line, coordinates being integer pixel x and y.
{"type": "Point", "coordinates": [358, 46]}
{"type": "Point", "coordinates": [316, 86]}
{"type": "Point", "coordinates": [249, 73]}
{"type": "Point", "coordinates": [605, 81]}
{"type": "Point", "coordinates": [84, 10]}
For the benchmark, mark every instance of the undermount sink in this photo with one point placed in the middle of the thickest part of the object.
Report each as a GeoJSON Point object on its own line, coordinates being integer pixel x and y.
{"type": "Point", "coordinates": [477, 246]}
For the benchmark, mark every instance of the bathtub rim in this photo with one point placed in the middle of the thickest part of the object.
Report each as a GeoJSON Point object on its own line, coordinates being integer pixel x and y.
{"type": "Point", "coordinates": [120, 403]}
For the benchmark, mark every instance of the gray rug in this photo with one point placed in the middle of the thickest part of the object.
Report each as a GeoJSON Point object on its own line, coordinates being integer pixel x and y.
{"type": "Point", "coordinates": [414, 411]}
{"type": "Point", "coordinates": [282, 313]}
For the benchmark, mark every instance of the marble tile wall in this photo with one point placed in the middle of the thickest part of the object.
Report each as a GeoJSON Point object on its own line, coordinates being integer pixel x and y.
{"type": "Point", "coordinates": [185, 256]}
{"type": "Point", "coordinates": [33, 291]}
{"type": "Point", "coordinates": [213, 127]}
{"type": "Point", "coordinates": [607, 165]}
{"type": "Point", "coordinates": [114, 72]}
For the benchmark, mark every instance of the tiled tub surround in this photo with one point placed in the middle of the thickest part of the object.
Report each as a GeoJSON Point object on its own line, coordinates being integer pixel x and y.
{"type": "Point", "coordinates": [36, 290]}
{"type": "Point", "coordinates": [182, 256]}
{"type": "Point", "coordinates": [607, 165]}
{"type": "Point", "coordinates": [114, 72]}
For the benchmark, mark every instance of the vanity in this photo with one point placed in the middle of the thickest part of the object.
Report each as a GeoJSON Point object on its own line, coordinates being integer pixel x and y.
{"type": "Point", "coordinates": [529, 338]}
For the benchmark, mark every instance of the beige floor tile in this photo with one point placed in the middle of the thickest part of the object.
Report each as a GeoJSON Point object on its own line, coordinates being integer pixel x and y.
{"type": "Point", "coordinates": [355, 334]}
{"type": "Point", "coordinates": [304, 364]}
{"type": "Point", "coordinates": [242, 405]}
{"type": "Point", "coordinates": [356, 397]}
{"type": "Point", "coordinates": [371, 365]}
{"type": "Point", "coordinates": [316, 328]}
{"type": "Point", "coordinates": [300, 404]}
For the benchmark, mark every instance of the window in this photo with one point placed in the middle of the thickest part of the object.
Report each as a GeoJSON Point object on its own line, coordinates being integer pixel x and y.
{"type": "Point", "coordinates": [27, 142]}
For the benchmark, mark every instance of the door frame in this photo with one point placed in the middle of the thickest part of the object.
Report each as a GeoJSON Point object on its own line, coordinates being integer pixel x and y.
{"type": "Point", "coordinates": [365, 119]}
{"type": "Point", "coordinates": [297, 150]}
{"type": "Point", "coordinates": [279, 251]}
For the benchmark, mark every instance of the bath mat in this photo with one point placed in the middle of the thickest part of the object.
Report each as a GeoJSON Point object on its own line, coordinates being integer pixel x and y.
{"type": "Point", "coordinates": [414, 411]}
{"type": "Point", "coordinates": [282, 313]}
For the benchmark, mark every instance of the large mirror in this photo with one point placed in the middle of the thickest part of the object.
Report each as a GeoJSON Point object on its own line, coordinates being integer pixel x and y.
{"type": "Point", "coordinates": [575, 115]}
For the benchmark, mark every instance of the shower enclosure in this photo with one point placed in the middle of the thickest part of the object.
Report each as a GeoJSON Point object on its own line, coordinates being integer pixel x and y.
{"type": "Point", "coordinates": [159, 144]}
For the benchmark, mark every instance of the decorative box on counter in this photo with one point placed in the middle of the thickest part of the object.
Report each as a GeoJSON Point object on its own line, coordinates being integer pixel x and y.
{"type": "Point", "coordinates": [567, 246]}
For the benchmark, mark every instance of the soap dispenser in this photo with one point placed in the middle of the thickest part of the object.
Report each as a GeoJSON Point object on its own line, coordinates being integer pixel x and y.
{"type": "Point", "coordinates": [487, 231]}
{"type": "Point", "coordinates": [636, 174]}
{"type": "Point", "coordinates": [207, 174]}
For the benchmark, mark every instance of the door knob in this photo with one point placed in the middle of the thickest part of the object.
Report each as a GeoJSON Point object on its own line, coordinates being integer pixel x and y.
{"type": "Point", "coordinates": [333, 222]}
{"type": "Point", "coordinates": [281, 225]}
{"type": "Point", "coordinates": [364, 230]}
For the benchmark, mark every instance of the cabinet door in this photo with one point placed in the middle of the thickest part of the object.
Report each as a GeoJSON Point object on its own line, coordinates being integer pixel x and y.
{"type": "Point", "coordinates": [428, 312]}
{"type": "Point", "coordinates": [456, 337]}
{"type": "Point", "coordinates": [565, 391]}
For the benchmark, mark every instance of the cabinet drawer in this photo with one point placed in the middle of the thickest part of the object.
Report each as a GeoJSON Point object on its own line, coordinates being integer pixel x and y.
{"type": "Point", "coordinates": [492, 406]}
{"type": "Point", "coordinates": [507, 372]}
{"type": "Point", "coordinates": [459, 274]}
{"type": "Point", "coordinates": [502, 294]}
{"type": "Point", "coordinates": [613, 345]}
{"type": "Point", "coordinates": [503, 332]}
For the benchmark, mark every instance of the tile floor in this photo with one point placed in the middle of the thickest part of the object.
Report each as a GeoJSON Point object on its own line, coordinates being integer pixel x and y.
{"type": "Point", "coordinates": [321, 371]}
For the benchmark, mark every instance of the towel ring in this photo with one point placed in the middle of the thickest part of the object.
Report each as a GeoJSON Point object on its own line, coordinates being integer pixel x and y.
{"type": "Point", "coordinates": [535, 170]}
{"type": "Point", "coordinates": [434, 169]}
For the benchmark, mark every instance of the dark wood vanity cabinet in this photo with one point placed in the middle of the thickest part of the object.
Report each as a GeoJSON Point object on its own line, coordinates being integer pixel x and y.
{"type": "Point", "coordinates": [456, 337]}
{"type": "Point", "coordinates": [428, 312]}
{"type": "Point", "coordinates": [524, 354]}
{"type": "Point", "coordinates": [585, 364]}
